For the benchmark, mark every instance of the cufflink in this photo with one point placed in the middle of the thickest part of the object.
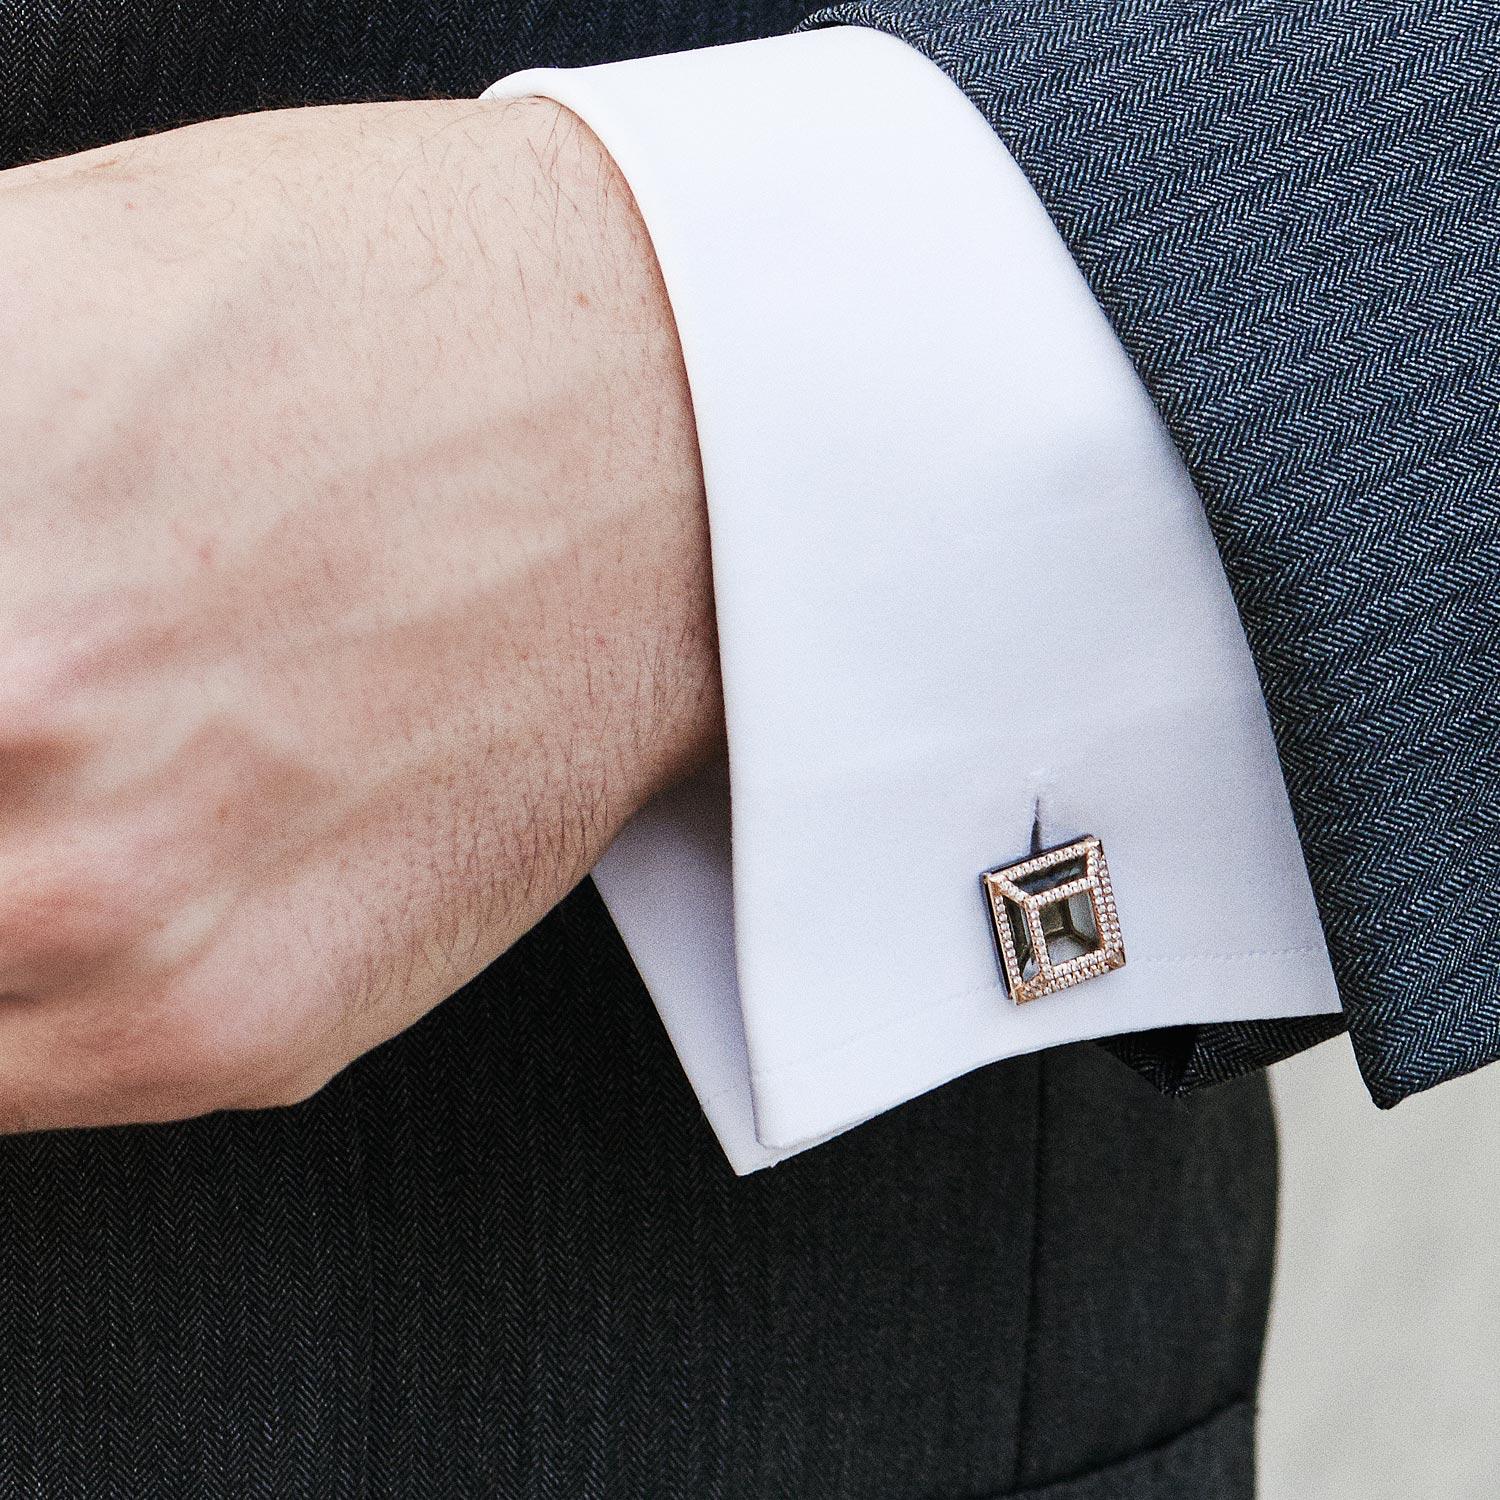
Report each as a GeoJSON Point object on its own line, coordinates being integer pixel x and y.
{"type": "Point", "coordinates": [1054, 919]}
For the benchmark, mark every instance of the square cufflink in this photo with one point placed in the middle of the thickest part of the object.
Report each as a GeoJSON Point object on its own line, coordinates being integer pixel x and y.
{"type": "Point", "coordinates": [1054, 919]}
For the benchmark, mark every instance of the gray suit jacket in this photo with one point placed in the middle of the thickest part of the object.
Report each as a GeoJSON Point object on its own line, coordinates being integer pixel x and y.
{"type": "Point", "coordinates": [1291, 212]}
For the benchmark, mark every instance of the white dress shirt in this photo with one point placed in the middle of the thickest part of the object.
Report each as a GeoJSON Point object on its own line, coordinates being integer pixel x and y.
{"type": "Point", "coordinates": [964, 587]}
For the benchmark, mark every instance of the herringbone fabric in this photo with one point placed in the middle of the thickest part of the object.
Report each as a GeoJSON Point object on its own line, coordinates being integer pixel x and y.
{"type": "Point", "coordinates": [502, 1258]}
{"type": "Point", "coordinates": [79, 73]}
{"type": "Point", "coordinates": [1291, 212]}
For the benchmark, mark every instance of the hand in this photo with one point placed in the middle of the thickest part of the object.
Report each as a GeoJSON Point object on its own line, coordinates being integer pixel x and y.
{"type": "Point", "coordinates": [354, 586]}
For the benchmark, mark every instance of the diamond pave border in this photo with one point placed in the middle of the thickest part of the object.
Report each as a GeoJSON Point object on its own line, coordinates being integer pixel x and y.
{"type": "Point", "coordinates": [1000, 887]}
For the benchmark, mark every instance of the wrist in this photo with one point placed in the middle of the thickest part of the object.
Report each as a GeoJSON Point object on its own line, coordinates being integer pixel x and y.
{"type": "Point", "coordinates": [354, 589]}
{"type": "Point", "coordinates": [439, 324]}
{"type": "Point", "coordinates": [617, 454]}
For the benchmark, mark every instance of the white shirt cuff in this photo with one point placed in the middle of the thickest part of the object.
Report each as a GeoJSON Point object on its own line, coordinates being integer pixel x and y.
{"type": "Point", "coordinates": [964, 585]}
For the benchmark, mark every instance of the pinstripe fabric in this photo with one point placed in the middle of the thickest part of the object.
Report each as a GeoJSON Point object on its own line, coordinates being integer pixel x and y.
{"type": "Point", "coordinates": [1291, 212]}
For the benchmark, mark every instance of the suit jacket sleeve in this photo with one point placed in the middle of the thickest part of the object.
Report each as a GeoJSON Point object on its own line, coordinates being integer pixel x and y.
{"type": "Point", "coordinates": [1291, 215]}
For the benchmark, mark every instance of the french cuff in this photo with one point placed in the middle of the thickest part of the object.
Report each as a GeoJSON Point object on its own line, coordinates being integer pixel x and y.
{"type": "Point", "coordinates": [967, 603]}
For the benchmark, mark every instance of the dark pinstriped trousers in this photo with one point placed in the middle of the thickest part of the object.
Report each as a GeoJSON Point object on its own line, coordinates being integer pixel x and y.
{"type": "Point", "coordinates": [502, 1256]}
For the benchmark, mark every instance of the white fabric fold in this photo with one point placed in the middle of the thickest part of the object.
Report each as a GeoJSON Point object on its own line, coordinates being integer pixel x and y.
{"type": "Point", "coordinates": [963, 584]}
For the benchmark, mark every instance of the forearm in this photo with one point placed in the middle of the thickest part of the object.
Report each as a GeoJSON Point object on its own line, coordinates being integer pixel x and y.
{"type": "Point", "coordinates": [450, 302]}
{"type": "Point", "coordinates": [353, 522]}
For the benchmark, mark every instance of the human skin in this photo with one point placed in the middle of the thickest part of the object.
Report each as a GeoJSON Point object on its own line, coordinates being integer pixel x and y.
{"type": "Point", "coordinates": [354, 586]}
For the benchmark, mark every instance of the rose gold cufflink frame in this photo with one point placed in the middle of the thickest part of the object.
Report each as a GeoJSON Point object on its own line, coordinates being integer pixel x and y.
{"type": "Point", "coordinates": [1054, 919]}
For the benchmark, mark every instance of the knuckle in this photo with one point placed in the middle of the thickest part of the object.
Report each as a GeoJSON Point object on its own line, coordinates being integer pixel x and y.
{"type": "Point", "coordinates": [64, 916]}
{"type": "Point", "coordinates": [152, 1063]}
{"type": "Point", "coordinates": [54, 674]}
{"type": "Point", "coordinates": [129, 1064]}
{"type": "Point", "coordinates": [21, 1117]}
{"type": "Point", "coordinates": [37, 752]}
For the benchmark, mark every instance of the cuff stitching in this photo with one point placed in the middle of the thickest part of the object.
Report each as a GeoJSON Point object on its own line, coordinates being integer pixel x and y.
{"type": "Point", "coordinates": [893, 1022]}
